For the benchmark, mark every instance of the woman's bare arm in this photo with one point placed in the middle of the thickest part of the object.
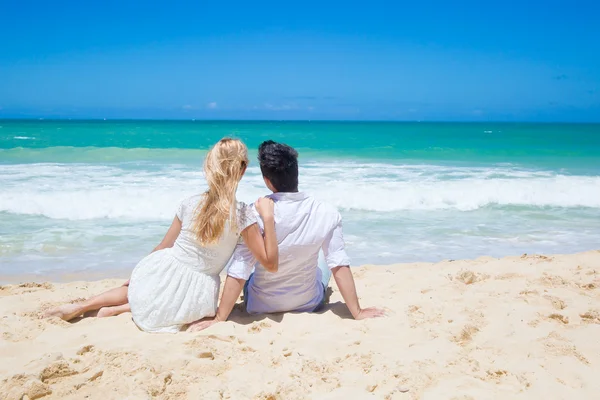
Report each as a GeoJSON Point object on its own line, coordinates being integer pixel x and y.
{"type": "Point", "coordinates": [171, 235]}
{"type": "Point", "coordinates": [263, 249]}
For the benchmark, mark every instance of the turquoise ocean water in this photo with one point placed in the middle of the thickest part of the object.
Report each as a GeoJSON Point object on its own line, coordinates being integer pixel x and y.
{"type": "Point", "coordinates": [96, 196]}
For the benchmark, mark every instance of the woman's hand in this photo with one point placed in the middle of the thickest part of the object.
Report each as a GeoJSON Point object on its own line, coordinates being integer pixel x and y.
{"type": "Point", "coordinates": [202, 324]}
{"type": "Point", "coordinates": [265, 207]}
{"type": "Point", "coordinates": [263, 245]}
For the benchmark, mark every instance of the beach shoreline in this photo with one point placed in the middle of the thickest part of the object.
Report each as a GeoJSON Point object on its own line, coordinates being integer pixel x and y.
{"type": "Point", "coordinates": [516, 327]}
{"type": "Point", "coordinates": [99, 195]}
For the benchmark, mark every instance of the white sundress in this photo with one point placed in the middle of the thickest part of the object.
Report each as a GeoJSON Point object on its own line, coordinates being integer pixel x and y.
{"type": "Point", "coordinates": [173, 287]}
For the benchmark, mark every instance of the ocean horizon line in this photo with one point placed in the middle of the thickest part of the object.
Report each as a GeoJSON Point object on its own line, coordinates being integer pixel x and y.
{"type": "Point", "coordinates": [374, 121]}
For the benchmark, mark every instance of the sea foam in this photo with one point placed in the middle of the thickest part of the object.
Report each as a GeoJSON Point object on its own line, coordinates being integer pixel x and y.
{"type": "Point", "coordinates": [82, 192]}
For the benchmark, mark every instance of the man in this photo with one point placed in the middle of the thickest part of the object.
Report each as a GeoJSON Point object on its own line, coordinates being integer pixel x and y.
{"type": "Point", "coordinates": [304, 227]}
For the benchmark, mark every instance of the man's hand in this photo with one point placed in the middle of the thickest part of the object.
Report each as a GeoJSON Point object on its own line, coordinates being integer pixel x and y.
{"type": "Point", "coordinates": [202, 324]}
{"type": "Point", "coordinates": [345, 282]}
{"type": "Point", "coordinates": [371, 312]}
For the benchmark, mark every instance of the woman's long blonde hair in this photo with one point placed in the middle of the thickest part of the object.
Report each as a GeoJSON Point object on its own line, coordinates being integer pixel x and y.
{"type": "Point", "coordinates": [224, 167]}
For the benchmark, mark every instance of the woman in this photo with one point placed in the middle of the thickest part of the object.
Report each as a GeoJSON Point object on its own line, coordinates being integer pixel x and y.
{"type": "Point", "coordinates": [178, 283]}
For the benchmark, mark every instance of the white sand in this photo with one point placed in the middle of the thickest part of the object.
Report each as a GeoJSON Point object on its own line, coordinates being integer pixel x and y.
{"type": "Point", "coordinates": [519, 327]}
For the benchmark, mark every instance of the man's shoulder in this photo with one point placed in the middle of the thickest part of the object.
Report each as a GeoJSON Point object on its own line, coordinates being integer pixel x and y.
{"type": "Point", "coordinates": [322, 207]}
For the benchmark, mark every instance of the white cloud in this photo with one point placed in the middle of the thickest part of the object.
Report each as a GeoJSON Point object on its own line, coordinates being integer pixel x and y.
{"type": "Point", "coordinates": [187, 107]}
{"type": "Point", "coordinates": [212, 105]}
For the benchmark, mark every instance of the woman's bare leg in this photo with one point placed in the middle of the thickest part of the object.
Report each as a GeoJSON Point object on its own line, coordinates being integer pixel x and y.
{"type": "Point", "coordinates": [113, 311]}
{"type": "Point", "coordinates": [112, 297]}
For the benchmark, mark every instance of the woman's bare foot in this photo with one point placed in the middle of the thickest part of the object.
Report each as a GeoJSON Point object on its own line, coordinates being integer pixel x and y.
{"type": "Point", "coordinates": [106, 312]}
{"type": "Point", "coordinates": [66, 312]}
{"type": "Point", "coordinates": [113, 311]}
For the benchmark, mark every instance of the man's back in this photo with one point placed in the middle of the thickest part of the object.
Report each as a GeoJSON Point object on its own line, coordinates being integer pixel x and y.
{"type": "Point", "coordinates": [304, 226]}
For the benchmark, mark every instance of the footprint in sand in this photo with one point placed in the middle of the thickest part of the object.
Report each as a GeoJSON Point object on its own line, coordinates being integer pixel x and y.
{"type": "Point", "coordinates": [528, 292]}
{"type": "Point", "coordinates": [496, 375]}
{"type": "Point", "coordinates": [56, 370]}
{"type": "Point", "coordinates": [588, 286]}
{"type": "Point", "coordinates": [227, 339]}
{"type": "Point", "coordinates": [94, 375]}
{"type": "Point", "coordinates": [499, 374]}
{"type": "Point", "coordinates": [206, 346]}
{"type": "Point", "coordinates": [557, 345]}
{"type": "Point", "coordinates": [256, 328]}
{"type": "Point", "coordinates": [591, 317]}
{"type": "Point", "coordinates": [559, 317]}
{"type": "Point", "coordinates": [556, 302]}
{"type": "Point", "coordinates": [23, 386]}
{"type": "Point", "coordinates": [85, 349]}
{"type": "Point", "coordinates": [160, 384]}
{"type": "Point", "coordinates": [19, 386]}
{"type": "Point", "coordinates": [371, 388]}
{"type": "Point", "coordinates": [470, 277]}
{"type": "Point", "coordinates": [465, 336]}
{"type": "Point", "coordinates": [23, 288]}
{"type": "Point", "coordinates": [206, 354]}
{"type": "Point", "coordinates": [549, 280]}
{"type": "Point", "coordinates": [34, 285]}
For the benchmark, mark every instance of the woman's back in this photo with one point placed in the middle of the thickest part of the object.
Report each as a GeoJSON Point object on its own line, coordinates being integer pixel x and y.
{"type": "Point", "coordinates": [210, 259]}
{"type": "Point", "coordinates": [178, 285]}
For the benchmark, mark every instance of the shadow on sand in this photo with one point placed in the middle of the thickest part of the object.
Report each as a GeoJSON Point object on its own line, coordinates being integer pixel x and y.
{"type": "Point", "coordinates": [240, 316]}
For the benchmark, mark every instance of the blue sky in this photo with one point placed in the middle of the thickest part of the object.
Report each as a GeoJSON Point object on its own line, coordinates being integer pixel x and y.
{"type": "Point", "coordinates": [435, 60]}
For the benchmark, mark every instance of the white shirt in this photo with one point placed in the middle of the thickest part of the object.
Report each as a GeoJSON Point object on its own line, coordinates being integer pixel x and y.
{"type": "Point", "coordinates": [303, 226]}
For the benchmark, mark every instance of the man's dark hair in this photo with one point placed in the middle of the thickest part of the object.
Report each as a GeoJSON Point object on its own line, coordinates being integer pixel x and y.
{"type": "Point", "coordinates": [279, 163]}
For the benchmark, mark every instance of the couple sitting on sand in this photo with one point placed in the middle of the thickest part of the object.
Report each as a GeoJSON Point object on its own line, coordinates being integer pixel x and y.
{"type": "Point", "coordinates": [177, 285]}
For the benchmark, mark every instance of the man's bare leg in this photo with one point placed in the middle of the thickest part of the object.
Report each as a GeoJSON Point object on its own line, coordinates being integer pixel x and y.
{"type": "Point", "coordinates": [112, 297]}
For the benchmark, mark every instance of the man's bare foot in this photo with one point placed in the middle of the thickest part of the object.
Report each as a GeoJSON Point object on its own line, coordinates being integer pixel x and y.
{"type": "Point", "coordinates": [66, 312]}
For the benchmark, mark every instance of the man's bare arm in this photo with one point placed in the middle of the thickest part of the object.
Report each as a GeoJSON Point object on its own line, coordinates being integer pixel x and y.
{"type": "Point", "coordinates": [345, 282]}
